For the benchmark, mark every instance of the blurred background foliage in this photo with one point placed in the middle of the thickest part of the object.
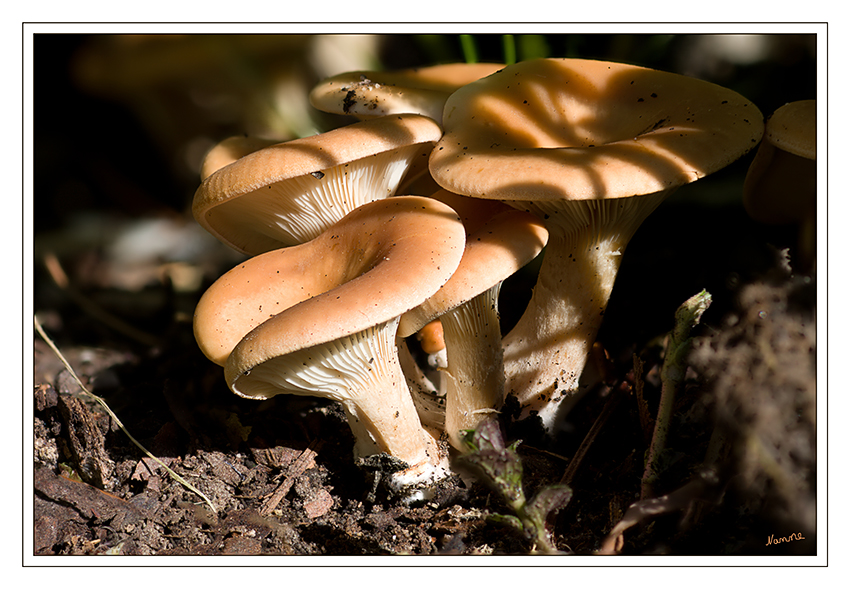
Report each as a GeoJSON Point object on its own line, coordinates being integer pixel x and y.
{"type": "Point", "coordinates": [122, 122]}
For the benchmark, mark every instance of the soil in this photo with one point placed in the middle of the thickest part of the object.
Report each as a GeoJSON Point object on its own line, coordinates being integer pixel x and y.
{"type": "Point", "coordinates": [739, 468]}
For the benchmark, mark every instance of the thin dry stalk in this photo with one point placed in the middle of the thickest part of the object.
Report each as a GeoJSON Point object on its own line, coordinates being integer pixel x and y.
{"type": "Point", "coordinates": [114, 417]}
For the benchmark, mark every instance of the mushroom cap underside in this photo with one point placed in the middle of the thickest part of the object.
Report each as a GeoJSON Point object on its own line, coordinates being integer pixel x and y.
{"type": "Point", "coordinates": [313, 154]}
{"type": "Point", "coordinates": [237, 201]}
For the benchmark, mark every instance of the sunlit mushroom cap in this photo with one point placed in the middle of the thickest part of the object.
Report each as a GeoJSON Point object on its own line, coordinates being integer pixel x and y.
{"type": "Point", "coordinates": [418, 90]}
{"type": "Point", "coordinates": [575, 129]}
{"type": "Point", "coordinates": [229, 150]}
{"type": "Point", "coordinates": [499, 241]}
{"type": "Point", "coordinates": [279, 196]}
{"type": "Point", "coordinates": [380, 261]}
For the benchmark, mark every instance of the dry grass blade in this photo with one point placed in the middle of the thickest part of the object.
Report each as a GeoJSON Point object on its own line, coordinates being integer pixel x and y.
{"type": "Point", "coordinates": [616, 394]}
{"type": "Point", "coordinates": [109, 411]}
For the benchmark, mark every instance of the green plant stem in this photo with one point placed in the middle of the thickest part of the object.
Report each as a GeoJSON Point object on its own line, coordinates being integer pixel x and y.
{"type": "Point", "coordinates": [672, 375]}
{"type": "Point", "coordinates": [540, 536]}
{"type": "Point", "coordinates": [470, 52]}
{"type": "Point", "coordinates": [501, 468]}
{"type": "Point", "coordinates": [509, 49]}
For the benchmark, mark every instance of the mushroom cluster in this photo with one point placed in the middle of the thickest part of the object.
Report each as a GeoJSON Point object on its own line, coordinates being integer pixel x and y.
{"type": "Point", "coordinates": [320, 319]}
{"type": "Point", "coordinates": [454, 178]}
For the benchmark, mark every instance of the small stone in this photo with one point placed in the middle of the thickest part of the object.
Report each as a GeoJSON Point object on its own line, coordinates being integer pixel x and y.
{"type": "Point", "coordinates": [319, 505]}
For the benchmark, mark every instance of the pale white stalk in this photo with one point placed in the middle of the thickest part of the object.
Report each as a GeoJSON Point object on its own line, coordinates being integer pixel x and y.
{"type": "Point", "coordinates": [427, 397]}
{"type": "Point", "coordinates": [546, 351]}
{"type": "Point", "coordinates": [475, 387]}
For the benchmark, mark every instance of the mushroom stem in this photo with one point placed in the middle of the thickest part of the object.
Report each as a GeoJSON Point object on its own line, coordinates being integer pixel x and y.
{"type": "Point", "coordinates": [475, 387]}
{"type": "Point", "coordinates": [546, 351]}
{"type": "Point", "coordinates": [430, 404]}
{"type": "Point", "coordinates": [375, 397]}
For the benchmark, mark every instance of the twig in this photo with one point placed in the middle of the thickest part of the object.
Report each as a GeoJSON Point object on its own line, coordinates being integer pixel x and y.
{"type": "Point", "coordinates": [704, 487]}
{"type": "Point", "coordinates": [295, 469]}
{"type": "Point", "coordinates": [114, 417]}
{"type": "Point", "coordinates": [617, 393]}
{"type": "Point", "coordinates": [643, 408]}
